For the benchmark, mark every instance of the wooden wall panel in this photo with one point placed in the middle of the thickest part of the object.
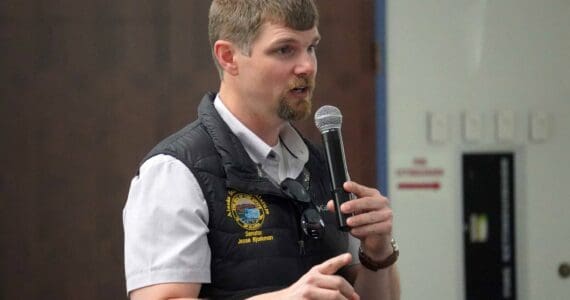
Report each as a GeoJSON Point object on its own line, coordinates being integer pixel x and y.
{"type": "Point", "coordinates": [346, 80]}
{"type": "Point", "coordinates": [87, 88]}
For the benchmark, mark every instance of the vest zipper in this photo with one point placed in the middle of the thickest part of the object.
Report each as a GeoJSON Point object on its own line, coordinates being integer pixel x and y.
{"type": "Point", "coordinates": [297, 222]}
{"type": "Point", "coordinates": [296, 216]}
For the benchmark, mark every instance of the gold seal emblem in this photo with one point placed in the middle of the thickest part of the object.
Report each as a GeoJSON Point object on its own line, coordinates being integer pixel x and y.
{"type": "Point", "coordinates": [249, 211]}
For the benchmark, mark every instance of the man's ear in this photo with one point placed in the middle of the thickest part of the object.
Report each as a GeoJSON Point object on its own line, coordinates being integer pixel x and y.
{"type": "Point", "coordinates": [225, 53]}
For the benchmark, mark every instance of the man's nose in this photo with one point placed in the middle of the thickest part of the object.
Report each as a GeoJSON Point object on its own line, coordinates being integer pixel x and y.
{"type": "Point", "coordinates": [307, 64]}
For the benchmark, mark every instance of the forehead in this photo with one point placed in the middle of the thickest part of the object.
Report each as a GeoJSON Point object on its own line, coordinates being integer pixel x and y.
{"type": "Point", "coordinates": [271, 33]}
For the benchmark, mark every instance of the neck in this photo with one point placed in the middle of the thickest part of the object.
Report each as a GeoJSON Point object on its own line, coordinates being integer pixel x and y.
{"type": "Point", "coordinates": [263, 124]}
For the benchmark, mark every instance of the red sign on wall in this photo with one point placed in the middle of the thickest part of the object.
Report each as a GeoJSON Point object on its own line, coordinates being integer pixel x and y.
{"type": "Point", "coordinates": [419, 176]}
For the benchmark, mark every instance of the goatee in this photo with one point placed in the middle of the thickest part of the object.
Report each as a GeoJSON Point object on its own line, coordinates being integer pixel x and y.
{"type": "Point", "coordinates": [297, 109]}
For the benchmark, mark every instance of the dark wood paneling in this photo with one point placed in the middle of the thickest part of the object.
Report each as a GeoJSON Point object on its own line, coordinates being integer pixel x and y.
{"type": "Point", "coordinates": [87, 88]}
{"type": "Point", "coordinates": [346, 80]}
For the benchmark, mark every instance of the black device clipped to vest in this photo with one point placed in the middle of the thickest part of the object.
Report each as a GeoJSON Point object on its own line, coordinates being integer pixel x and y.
{"type": "Point", "coordinates": [311, 221]}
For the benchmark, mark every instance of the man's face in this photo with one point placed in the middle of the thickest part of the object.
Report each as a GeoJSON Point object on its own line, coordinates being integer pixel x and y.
{"type": "Point", "coordinates": [278, 77]}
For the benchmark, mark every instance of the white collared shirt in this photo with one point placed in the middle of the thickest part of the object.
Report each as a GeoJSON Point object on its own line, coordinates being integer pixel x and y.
{"type": "Point", "coordinates": [166, 216]}
{"type": "Point", "coordinates": [286, 159]}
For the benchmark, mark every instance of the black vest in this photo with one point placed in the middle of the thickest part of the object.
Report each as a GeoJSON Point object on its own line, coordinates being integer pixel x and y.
{"type": "Point", "coordinates": [255, 237]}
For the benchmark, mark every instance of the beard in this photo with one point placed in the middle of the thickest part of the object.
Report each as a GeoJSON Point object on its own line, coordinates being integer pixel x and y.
{"type": "Point", "coordinates": [295, 108]}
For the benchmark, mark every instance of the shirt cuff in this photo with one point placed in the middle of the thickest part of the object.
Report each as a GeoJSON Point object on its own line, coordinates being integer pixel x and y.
{"type": "Point", "coordinates": [142, 279]}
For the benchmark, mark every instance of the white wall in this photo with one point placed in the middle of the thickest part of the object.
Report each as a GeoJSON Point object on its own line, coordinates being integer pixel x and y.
{"type": "Point", "coordinates": [483, 57]}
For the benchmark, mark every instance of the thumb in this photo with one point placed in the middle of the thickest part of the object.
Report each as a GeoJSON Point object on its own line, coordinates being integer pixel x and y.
{"type": "Point", "coordinates": [332, 265]}
{"type": "Point", "coordinates": [330, 206]}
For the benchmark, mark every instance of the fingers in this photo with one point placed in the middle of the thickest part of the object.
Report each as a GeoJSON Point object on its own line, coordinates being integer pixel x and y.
{"type": "Point", "coordinates": [330, 294]}
{"type": "Point", "coordinates": [360, 205]}
{"type": "Point", "coordinates": [330, 206]}
{"type": "Point", "coordinates": [370, 217]}
{"type": "Point", "coordinates": [370, 214]}
{"type": "Point", "coordinates": [360, 190]}
{"type": "Point", "coordinates": [374, 216]}
{"type": "Point", "coordinates": [364, 204]}
{"type": "Point", "coordinates": [334, 264]}
{"type": "Point", "coordinates": [377, 221]}
{"type": "Point", "coordinates": [378, 229]}
{"type": "Point", "coordinates": [368, 199]}
{"type": "Point", "coordinates": [336, 287]}
{"type": "Point", "coordinates": [321, 283]}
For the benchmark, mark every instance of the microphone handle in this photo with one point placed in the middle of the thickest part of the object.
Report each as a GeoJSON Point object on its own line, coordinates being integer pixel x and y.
{"type": "Point", "coordinates": [336, 162]}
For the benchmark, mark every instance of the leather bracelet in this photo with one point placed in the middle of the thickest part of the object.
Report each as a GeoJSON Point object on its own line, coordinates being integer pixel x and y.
{"type": "Point", "coordinates": [373, 265]}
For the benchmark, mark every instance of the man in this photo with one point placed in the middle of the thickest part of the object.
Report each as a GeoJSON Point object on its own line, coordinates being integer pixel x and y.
{"type": "Point", "coordinates": [217, 209]}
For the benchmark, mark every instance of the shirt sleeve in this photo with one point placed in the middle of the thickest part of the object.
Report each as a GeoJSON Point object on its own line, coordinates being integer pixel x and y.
{"type": "Point", "coordinates": [165, 223]}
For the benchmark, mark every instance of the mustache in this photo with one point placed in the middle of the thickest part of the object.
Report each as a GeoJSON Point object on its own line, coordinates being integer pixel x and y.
{"type": "Point", "coordinates": [299, 82]}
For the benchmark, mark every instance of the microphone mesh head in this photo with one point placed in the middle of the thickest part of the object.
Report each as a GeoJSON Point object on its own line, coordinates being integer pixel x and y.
{"type": "Point", "coordinates": [328, 117]}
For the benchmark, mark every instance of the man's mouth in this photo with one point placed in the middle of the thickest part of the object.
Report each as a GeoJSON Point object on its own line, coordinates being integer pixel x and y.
{"type": "Point", "coordinates": [300, 89]}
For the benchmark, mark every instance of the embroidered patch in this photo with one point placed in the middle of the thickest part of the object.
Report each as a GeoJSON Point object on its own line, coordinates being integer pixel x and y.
{"type": "Point", "coordinates": [249, 212]}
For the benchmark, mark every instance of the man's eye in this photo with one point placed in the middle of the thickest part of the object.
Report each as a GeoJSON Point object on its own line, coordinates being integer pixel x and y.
{"type": "Point", "coordinates": [313, 48]}
{"type": "Point", "coordinates": [285, 50]}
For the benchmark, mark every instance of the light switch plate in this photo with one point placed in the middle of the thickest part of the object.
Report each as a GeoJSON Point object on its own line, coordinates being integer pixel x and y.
{"type": "Point", "coordinates": [539, 126]}
{"type": "Point", "coordinates": [505, 125]}
{"type": "Point", "coordinates": [472, 126]}
{"type": "Point", "coordinates": [437, 127]}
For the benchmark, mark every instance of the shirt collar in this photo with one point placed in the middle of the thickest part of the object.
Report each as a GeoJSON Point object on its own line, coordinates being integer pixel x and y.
{"type": "Point", "coordinates": [255, 147]}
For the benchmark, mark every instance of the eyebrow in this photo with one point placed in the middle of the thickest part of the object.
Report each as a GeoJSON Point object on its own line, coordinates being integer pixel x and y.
{"type": "Point", "coordinates": [292, 40]}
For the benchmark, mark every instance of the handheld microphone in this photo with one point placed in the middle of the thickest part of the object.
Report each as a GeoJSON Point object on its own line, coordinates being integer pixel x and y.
{"type": "Point", "coordinates": [328, 120]}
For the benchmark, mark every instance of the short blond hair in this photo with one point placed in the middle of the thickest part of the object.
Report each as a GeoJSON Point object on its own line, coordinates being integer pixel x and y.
{"type": "Point", "coordinates": [239, 21]}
